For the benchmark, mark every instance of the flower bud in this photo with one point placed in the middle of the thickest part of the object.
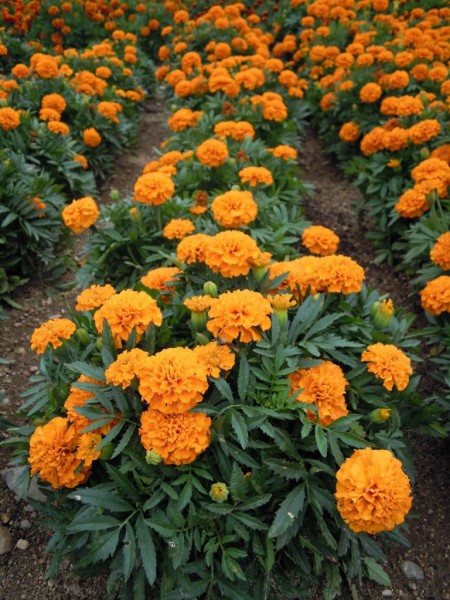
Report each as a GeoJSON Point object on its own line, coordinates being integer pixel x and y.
{"type": "Point", "coordinates": [82, 335]}
{"type": "Point", "coordinates": [114, 195]}
{"type": "Point", "coordinates": [235, 188]}
{"type": "Point", "coordinates": [201, 339]}
{"type": "Point", "coordinates": [258, 273]}
{"type": "Point", "coordinates": [107, 451]}
{"type": "Point", "coordinates": [210, 288]}
{"type": "Point", "coordinates": [424, 153]}
{"type": "Point", "coordinates": [219, 492]}
{"type": "Point", "coordinates": [152, 457]}
{"type": "Point", "coordinates": [198, 320]}
{"type": "Point", "coordinates": [380, 415]}
{"type": "Point", "coordinates": [99, 343]}
{"type": "Point", "coordinates": [135, 214]}
{"type": "Point", "coordinates": [381, 313]}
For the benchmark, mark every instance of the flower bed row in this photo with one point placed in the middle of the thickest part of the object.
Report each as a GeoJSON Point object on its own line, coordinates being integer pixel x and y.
{"type": "Point", "coordinates": [222, 414]}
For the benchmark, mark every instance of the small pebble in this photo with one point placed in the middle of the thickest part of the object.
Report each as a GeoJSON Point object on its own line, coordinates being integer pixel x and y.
{"type": "Point", "coordinates": [387, 593]}
{"type": "Point", "coordinates": [412, 570]}
{"type": "Point", "coordinates": [22, 544]}
{"type": "Point", "coordinates": [5, 540]}
{"type": "Point", "coordinates": [25, 524]}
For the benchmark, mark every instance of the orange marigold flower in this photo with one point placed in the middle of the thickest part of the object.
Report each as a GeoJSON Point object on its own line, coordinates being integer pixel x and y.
{"type": "Point", "coordinates": [49, 114]}
{"type": "Point", "coordinates": [442, 152]}
{"type": "Point", "coordinates": [349, 132]}
{"type": "Point", "coordinates": [192, 248]}
{"type": "Point", "coordinates": [53, 454]}
{"type": "Point", "coordinates": [126, 367]}
{"type": "Point", "coordinates": [58, 127]}
{"type": "Point", "coordinates": [440, 253]}
{"type": "Point", "coordinates": [87, 450]}
{"type": "Point", "coordinates": [231, 253]}
{"type": "Point", "coordinates": [341, 274]}
{"type": "Point", "coordinates": [424, 131]}
{"type": "Point", "coordinates": [255, 175]}
{"type": "Point", "coordinates": [238, 130]}
{"type": "Point", "coordinates": [9, 118]}
{"type": "Point", "coordinates": [126, 311]}
{"type": "Point", "coordinates": [412, 203]}
{"type": "Point", "coordinates": [281, 302]}
{"type": "Point", "coordinates": [162, 279]}
{"type": "Point", "coordinates": [79, 397]}
{"type": "Point", "coordinates": [54, 101]}
{"type": "Point", "coordinates": [173, 380]}
{"type": "Point", "coordinates": [284, 152]}
{"type": "Point", "coordinates": [324, 386]}
{"type": "Point", "coordinates": [46, 66]}
{"type": "Point", "coordinates": [183, 118]}
{"type": "Point", "coordinates": [240, 314]}
{"type": "Point", "coordinates": [53, 333]}
{"type": "Point", "coordinates": [370, 92]}
{"type": "Point", "coordinates": [177, 229]}
{"type": "Point", "coordinates": [373, 493]}
{"type": "Point", "coordinates": [320, 240]}
{"type": "Point", "coordinates": [82, 160]}
{"type": "Point", "coordinates": [212, 153]}
{"type": "Point", "coordinates": [80, 214]}
{"type": "Point", "coordinates": [389, 363]}
{"type": "Point", "coordinates": [217, 357]}
{"type": "Point", "coordinates": [432, 174]}
{"type": "Point", "coordinates": [153, 188]}
{"type": "Point", "coordinates": [94, 296]}
{"type": "Point", "coordinates": [20, 71]}
{"type": "Point", "coordinates": [234, 208]}
{"type": "Point", "coordinates": [198, 303]}
{"type": "Point", "coordinates": [177, 438]}
{"type": "Point", "coordinates": [91, 137]}
{"type": "Point", "coordinates": [435, 297]}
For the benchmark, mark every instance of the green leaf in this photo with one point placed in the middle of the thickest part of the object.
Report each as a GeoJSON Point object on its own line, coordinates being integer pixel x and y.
{"type": "Point", "coordinates": [92, 523]}
{"type": "Point", "coordinates": [147, 549]}
{"type": "Point", "coordinates": [102, 496]}
{"type": "Point", "coordinates": [224, 388]}
{"type": "Point", "coordinates": [288, 511]}
{"type": "Point", "coordinates": [249, 521]}
{"type": "Point", "coordinates": [321, 440]}
{"type": "Point", "coordinates": [129, 551]}
{"type": "Point", "coordinates": [376, 571]}
{"type": "Point", "coordinates": [88, 370]}
{"type": "Point", "coordinates": [285, 468]}
{"type": "Point", "coordinates": [240, 428]}
{"type": "Point", "coordinates": [243, 377]}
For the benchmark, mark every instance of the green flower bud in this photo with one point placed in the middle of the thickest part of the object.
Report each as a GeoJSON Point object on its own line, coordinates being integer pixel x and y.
{"type": "Point", "coordinates": [201, 339]}
{"type": "Point", "coordinates": [210, 288]}
{"type": "Point", "coordinates": [99, 343]}
{"type": "Point", "coordinates": [235, 188]}
{"type": "Point", "coordinates": [107, 451]}
{"type": "Point", "coordinates": [258, 273]}
{"type": "Point", "coordinates": [82, 335]}
{"type": "Point", "coordinates": [152, 457]}
{"type": "Point", "coordinates": [135, 214]}
{"type": "Point", "coordinates": [425, 153]}
{"type": "Point", "coordinates": [381, 313]}
{"type": "Point", "coordinates": [198, 320]}
{"type": "Point", "coordinates": [219, 492]}
{"type": "Point", "coordinates": [114, 195]}
{"type": "Point", "coordinates": [380, 415]}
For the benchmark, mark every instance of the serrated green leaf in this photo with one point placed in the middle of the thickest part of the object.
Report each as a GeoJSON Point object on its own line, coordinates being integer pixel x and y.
{"type": "Point", "coordinates": [288, 511]}
{"type": "Point", "coordinates": [376, 571]}
{"type": "Point", "coordinates": [147, 549]}
{"type": "Point", "coordinates": [240, 428]}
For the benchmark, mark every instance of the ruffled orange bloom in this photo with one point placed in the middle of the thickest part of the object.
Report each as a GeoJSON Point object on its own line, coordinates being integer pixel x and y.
{"type": "Point", "coordinates": [255, 175]}
{"type": "Point", "coordinates": [127, 311]}
{"type": "Point", "coordinates": [432, 174]}
{"type": "Point", "coordinates": [80, 214]}
{"type": "Point", "coordinates": [370, 92]}
{"type": "Point", "coordinates": [435, 297]}
{"type": "Point", "coordinates": [153, 188]}
{"type": "Point", "coordinates": [440, 253]}
{"type": "Point", "coordinates": [177, 229]}
{"type": "Point", "coordinates": [126, 367]}
{"type": "Point", "coordinates": [389, 363]}
{"type": "Point", "coordinates": [49, 114]}
{"type": "Point", "coordinates": [216, 358]}
{"type": "Point", "coordinates": [320, 240]}
{"type": "Point", "coordinates": [53, 454]}
{"type": "Point", "coordinates": [54, 101]}
{"type": "Point", "coordinates": [192, 248]}
{"type": "Point", "coordinates": [91, 137]}
{"type": "Point", "coordinates": [238, 130]}
{"type": "Point", "coordinates": [212, 153]}
{"type": "Point", "coordinates": [58, 127]}
{"type": "Point", "coordinates": [424, 131]}
{"type": "Point", "coordinates": [183, 118]}
{"type": "Point", "coordinates": [373, 141]}
{"type": "Point", "coordinates": [240, 314]}
{"type": "Point", "coordinates": [442, 152]}
{"type": "Point", "coordinates": [177, 438]}
{"type": "Point", "coordinates": [231, 253]}
{"type": "Point", "coordinates": [324, 386]}
{"type": "Point", "coordinates": [52, 333]}
{"type": "Point", "coordinates": [94, 296]}
{"type": "Point", "coordinates": [341, 274]}
{"type": "Point", "coordinates": [9, 118]}
{"type": "Point", "coordinates": [161, 279]}
{"type": "Point", "coordinates": [284, 152]}
{"type": "Point", "coordinates": [373, 493]}
{"type": "Point", "coordinates": [78, 398]}
{"type": "Point", "coordinates": [412, 203]}
{"type": "Point", "coordinates": [173, 380]}
{"type": "Point", "coordinates": [82, 160]}
{"type": "Point", "coordinates": [87, 450]}
{"type": "Point", "coordinates": [349, 132]}
{"type": "Point", "coordinates": [198, 303]}
{"type": "Point", "coordinates": [234, 208]}
{"type": "Point", "coordinates": [45, 66]}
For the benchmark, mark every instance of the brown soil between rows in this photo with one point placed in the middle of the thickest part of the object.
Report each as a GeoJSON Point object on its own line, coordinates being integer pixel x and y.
{"type": "Point", "coordinates": [22, 572]}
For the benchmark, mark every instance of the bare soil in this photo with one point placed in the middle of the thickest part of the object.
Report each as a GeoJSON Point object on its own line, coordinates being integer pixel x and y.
{"type": "Point", "coordinates": [22, 572]}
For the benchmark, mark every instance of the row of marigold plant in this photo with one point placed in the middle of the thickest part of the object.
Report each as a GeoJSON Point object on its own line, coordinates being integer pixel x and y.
{"type": "Point", "coordinates": [223, 412]}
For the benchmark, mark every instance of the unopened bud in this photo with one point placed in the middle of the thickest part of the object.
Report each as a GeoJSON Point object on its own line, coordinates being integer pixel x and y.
{"type": "Point", "coordinates": [152, 457]}
{"type": "Point", "coordinates": [219, 492]}
{"type": "Point", "coordinates": [210, 288]}
{"type": "Point", "coordinates": [114, 195]}
{"type": "Point", "coordinates": [381, 313]}
{"type": "Point", "coordinates": [107, 451]}
{"type": "Point", "coordinates": [198, 320]}
{"type": "Point", "coordinates": [424, 153]}
{"type": "Point", "coordinates": [135, 214]}
{"type": "Point", "coordinates": [82, 335]}
{"type": "Point", "coordinates": [201, 339]}
{"type": "Point", "coordinates": [380, 415]}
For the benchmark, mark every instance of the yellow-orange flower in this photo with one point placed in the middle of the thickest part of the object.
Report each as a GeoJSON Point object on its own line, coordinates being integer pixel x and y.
{"type": "Point", "coordinates": [255, 175]}
{"type": "Point", "coordinates": [162, 279]}
{"type": "Point", "coordinates": [412, 203]}
{"type": "Point", "coordinates": [349, 132]}
{"type": "Point", "coordinates": [53, 454]}
{"type": "Point", "coordinates": [341, 274]}
{"type": "Point", "coordinates": [389, 363]}
{"type": "Point", "coordinates": [54, 101]}
{"type": "Point", "coordinates": [183, 118]}
{"type": "Point", "coordinates": [216, 357]}
{"type": "Point", "coordinates": [91, 137]}
{"type": "Point", "coordinates": [58, 127]}
{"type": "Point", "coordinates": [127, 311]}
{"type": "Point", "coordinates": [94, 296]}
{"type": "Point", "coordinates": [177, 438]}
{"type": "Point", "coordinates": [324, 386]}
{"type": "Point", "coordinates": [177, 229]}
{"type": "Point", "coordinates": [231, 253]}
{"type": "Point", "coordinates": [198, 303]}
{"type": "Point", "coordinates": [212, 153]}
{"type": "Point", "coordinates": [80, 214]}
{"type": "Point", "coordinates": [373, 493]}
{"type": "Point", "coordinates": [87, 450]}
{"type": "Point", "coordinates": [320, 240]}
{"type": "Point", "coordinates": [53, 333]}
{"type": "Point", "coordinates": [173, 380]}
{"type": "Point", "coordinates": [238, 130]}
{"type": "Point", "coordinates": [435, 297]}
{"type": "Point", "coordinates": [126, 367]}
{"type": "Point", "coordinates": [240, 314]}
{"type": "Point", "coordinates": [440, 253]}
{"type": "Point", "coordinates": [153, 188]}
{"type": "Point", "coordinates": [234, 208]}
{"type": "Point", "coordinates": [78, 397]}
{"type": "Point", "coordinates": [284, 152]}
{"type": "Point", "coordinates": [192, 248]}
{"type": "Point", "coordinates": [9, 118]}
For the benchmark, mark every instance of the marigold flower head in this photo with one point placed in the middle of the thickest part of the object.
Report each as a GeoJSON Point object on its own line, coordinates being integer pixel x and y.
{"type": "Point", "coordinates": [198, 303]}
{"type": "Point", "coordinates": [212, 153]}
{"type": "Point", "coordinates": [54, 101]}
{"type": "Point", "coordinates": [173, 380]}
{"type": "Point", "coordinates": [320, 240]}
{"type": "Point", "coordinates": [45, 66]}
{"type": "Point", "coordinates": [370, 92]}
{"type": "Point", "coordinates": [284, 152]}
{"type": "Point", "coordinates": [412, 203]}
{"type": "Point", "coordinates": [53, 454]}
{"type": "Point", "coordinates": [234, 208]}
{"type": "Point", "coordinates": [341, 274]}
{"type": "Point", "coordinates": [87, 450]}
{"type": "Point", "coordinates": [217, 357]}
{"type": "Point", "coordinates": [9, 118]}
{"type": "Point", "coordinates": [183, 118]}
{"type": "Point", "coordinates": [373, 493]}
{"type": "Point", "coordinates": [435, 297]}
{"type": "Point", "coordinates": [177, 438]}
{"type": "Point", "coordinates": [231, 253]}
{"type": "Point", "coordinates": [58, 127]}
{"type": "Point", "coordinates": [324, 386]}
{"type": "Point", "coordinates": [94, 296]}
{"type": "Point", "coordinates": [80, 214]}
{"type": "Point", "coordinates": [440, 253]}
{"type": "Point", "coordinates": [238, 130]}
{"type": "Point", "coordinates": [255, 175]}
{"type": "Point", "coordinates": [126, 311]}
{"type": "Point", "coordinates": [281, 302]}
{"type": "Point", "coordinates": [240, 314]}
{"type": "Point", "coordinates": [153, 188]}
{"type": "Point", "coordinates": [52, 333]}
{"type": "Point", "coordinates": [424, 131]}
{"type": "Point", "coordinates": [177, 229]}
{"type": "Point", "coordinates": [77, 398]}
{"type": "Point", "coordinates": [432, 174]}
{"type": "Point", "coordinates": [389, 363]}
{"type": "Point", "coordinates": [49, 114]}
{"type": "Point", "coordinates": [91, 137]}
{"type": "Point", "coordinates": [82, 160]}
{"type": "Point", "coordinates": [349, 132]}
{"type": "Point", "coordinates": [219, 492]}
{"type": "Point", "coordinates": [162, 279]}
{"type": "Point", "coordinates": [126, 367]}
